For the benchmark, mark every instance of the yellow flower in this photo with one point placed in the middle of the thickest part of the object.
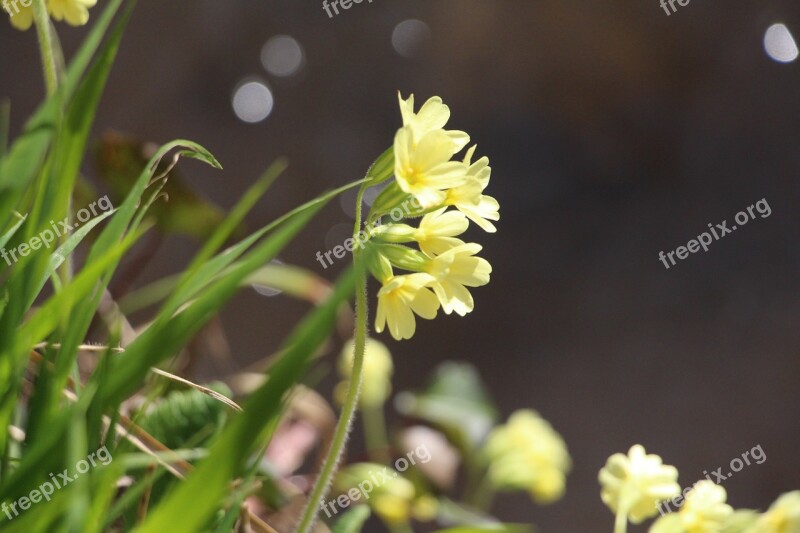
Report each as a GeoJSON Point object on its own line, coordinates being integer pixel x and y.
{"type": "Point", "coordinates": [401, 297]}
{"type": "Point", "coordinates": [528, 454]}
{"type": "Point", "coordinates": [433, 115]}
{"type": "Point", "coordinates": [454, 270]}
{"type": "Point", "coordinates": [704, 511]}
{"type": "Point", "coordinates": [376, 385]}
{"type": "Point", "coordinates": [634, 484]}
{"type": "Point", "coordinates": [388, 493]}
{"type": "Point", "coordinates": [21, 15]}
{"type": "Point", "coordinates": [468, 198]}
{"type": "Point", "coordinates": [423, 169]}
{"type": "Point", "coordinates": [783, 516]}
{"type": "Point", "coordinates": [75, 12]}
{"type": "Point", "coordinates": [437, 231]}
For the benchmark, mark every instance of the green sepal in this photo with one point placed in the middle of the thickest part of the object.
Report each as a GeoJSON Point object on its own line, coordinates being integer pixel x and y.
{"type": "Point", "coordinates": [382, 169]}
{"type": "Point", "coordinates": [377, 264]}
{"type": "Point", "coordinates": [404, 257]}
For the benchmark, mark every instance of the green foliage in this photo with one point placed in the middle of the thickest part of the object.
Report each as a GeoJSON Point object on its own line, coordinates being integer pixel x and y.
{"type": "Point", "coordinates": [186, 417]}
{"type": "Point", "coordinates": [353, 520]}
{"type": "Point", "coordinates": [48, 305]}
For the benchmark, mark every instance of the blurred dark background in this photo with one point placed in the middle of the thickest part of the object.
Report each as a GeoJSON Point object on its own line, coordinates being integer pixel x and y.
{"type": "Point", "coordinates": [614, 130]}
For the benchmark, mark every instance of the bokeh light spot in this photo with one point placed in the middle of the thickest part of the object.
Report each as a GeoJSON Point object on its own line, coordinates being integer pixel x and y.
{"type": "Point", "coordinates": [282, 56]}
{"type": "Point", "coordinates": [779, 44]}
{"type": "Point", "coordinates": [409, 37]}
{"type": "Point", "coordinates": [252, 101]}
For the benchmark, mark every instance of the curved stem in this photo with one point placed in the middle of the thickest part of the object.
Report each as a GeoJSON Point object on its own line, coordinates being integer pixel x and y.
{"type": "Point", "coordinates": [46, 46]}
{"type": "Point", "coordinates": [351, 400]}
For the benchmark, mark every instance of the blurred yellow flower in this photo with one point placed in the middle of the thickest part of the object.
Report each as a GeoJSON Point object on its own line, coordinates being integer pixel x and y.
{"type": "Point", "coordinates": [437, 231]}
{"type": "Point", "coordinates": [394, 500]}
{"type": "Point", "coordinates": [388, 493]}
{"type": "Point", "coordinates": [633, 485]}
{"type": "Point", "coordinates": [75, 12]}
{"type": "Point", "coordinates": [401, 297]}
{"type": "Point", "coordinates": [704, 511]}
{"type": "Point", "coordinates": [21, 15]}
{"type": "Point", "coordinates": [376, 384]}
{"type": "Point", "coordinates": [423, 167]}
{"type": "Point", "coordinates": [454, 270]}
{"type": "Point", "coordinates": [528, 454]}
{"type": "Point", "coordinates": [433, 115]}
{"type": "Point", "coordinates": [783, 516]}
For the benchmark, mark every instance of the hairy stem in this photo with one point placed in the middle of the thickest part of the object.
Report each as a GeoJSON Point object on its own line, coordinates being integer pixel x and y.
{"type": "Point", "coordinates": [345, 423]}
{"type": "Point", "coordinates": [46, 48]}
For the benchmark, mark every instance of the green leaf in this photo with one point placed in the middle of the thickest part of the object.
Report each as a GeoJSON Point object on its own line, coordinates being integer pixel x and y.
{"type": "Point", "coordinates": [170, 331]}
{"type": "Point", "coordinates": [10, 233]}
{"type": "Point", "coordinates": [353, 520]}
{"type": "Point", "coordinates": [63, 251]}
{"type": "Point", "coordinates": [472, 521]}
{"type": "Point", "coordinates": [183, 414]}
{"type": "Point", "coordinates": [199, 496]}
{"type": "Point", "coordinates": [28, 152]}
{"type": "Point", "coordinates": [499, 528]}
{"type": "Point", "coordinates": [457, 401]}
{"type": "Point", "coordinates": [121, 158]}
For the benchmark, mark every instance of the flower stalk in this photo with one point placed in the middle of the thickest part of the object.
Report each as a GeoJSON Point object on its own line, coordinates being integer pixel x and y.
{"type": "Point", "coordinates": [347, 416]}
{"type": "Point", "coordinates": [45, 36]}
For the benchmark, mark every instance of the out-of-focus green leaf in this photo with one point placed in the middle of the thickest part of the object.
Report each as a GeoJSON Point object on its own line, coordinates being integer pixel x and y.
{"type": "Point", "coordinates": [121, 159]}
{"type": "Point", "coordinates": [456, 401]}
{"type": "Point", "coordinates": [68, 247]}
{"type": "Point", "coordinates": [466, 520]}
{"type": "Point", "coordinates": [500, 528]}
{"type": "Point", "coordinates": [199, 496]}
{"type": "Point", "coordinates": [353, 520]}
{"type": "Point", "coordinates": [183, 414]}
{"type": "Point", "coordinates": [170, 331]}
{"type": "Point", "coordinates": [27, 153]}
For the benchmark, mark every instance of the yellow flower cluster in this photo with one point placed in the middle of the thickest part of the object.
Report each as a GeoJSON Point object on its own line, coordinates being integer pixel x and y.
{"type": "Point", "coordinates": [528, 454]}
{"type": "Point", "coordinates": [427, 176]}
{"type": "Point", "coordinates": [634, 484]}
{"type": "Point", "coordinates": [633, 487]}
{"type": "Point", "coordinates": [704, 511]}
{"type": "Point", "coordinates": [75, 12]}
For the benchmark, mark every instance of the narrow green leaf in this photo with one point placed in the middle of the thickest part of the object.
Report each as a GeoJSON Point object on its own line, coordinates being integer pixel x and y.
{"type": "Point", "coordinates": [353, 520]}
{"type": "Point", "coordinates": [169, 332]}
{"type": "Point", "coordinates": [199, 496]}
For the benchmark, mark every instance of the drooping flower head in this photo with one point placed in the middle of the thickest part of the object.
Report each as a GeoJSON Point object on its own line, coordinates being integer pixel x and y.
{"type": "Point", "coordinates": [703, 511]}
{"type": "Point", "coordinates": [634, 484]}
{"type": "Point", "coordinates": [528, 454]}
{"type": "Point", "coordinates": [429, 178]}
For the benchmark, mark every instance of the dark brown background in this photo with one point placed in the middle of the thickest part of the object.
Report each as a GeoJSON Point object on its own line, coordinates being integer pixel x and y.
{"type": "Point", "coordinates": [614, 132]}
